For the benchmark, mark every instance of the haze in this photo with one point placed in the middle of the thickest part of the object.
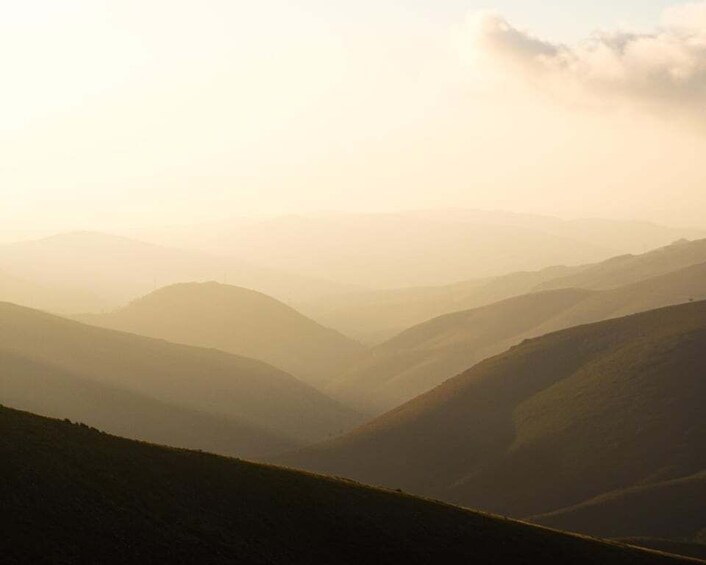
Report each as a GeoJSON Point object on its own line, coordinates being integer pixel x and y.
{"type": "Point", "coordinates": [122, 115]}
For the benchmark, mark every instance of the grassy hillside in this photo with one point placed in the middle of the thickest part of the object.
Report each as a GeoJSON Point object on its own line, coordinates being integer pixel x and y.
{"type": "Point", "coordinates": [551, 423]}
{"type": "Point", "coordinates": [240, 321]}
{"type": "Point", "coordinates": [203, 380]}
{"type": "Point", "coordinates": [71, 494]}
{"type": "Point", "coordinates": [48, 390]}
{"type": "Point", "coordinates": [426, 355]}
{"type": "Point", "coordinates": [673, 509]}
{"type": "Point", "coordinates": [377, 316]}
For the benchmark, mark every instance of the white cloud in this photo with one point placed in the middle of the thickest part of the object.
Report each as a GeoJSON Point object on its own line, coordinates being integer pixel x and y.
{"type": "Point", "coordinates": [663, 68]}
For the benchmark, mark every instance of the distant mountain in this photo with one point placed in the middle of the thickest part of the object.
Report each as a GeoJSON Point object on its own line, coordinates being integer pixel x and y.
{"type": "Point", "coordinates": [45, 297]}
{"type": "Point", "coordinates": [51, 391]}
{"type": "Point", "coordinates": [553, 422]}
{"type": "Point", "coordinates": [426, 355]}
{"type": "Point", "coordinates": [75, 495]}
{"type": "Point", "coordinates": [629, 269]}
{"type": "Point", "coordinates": [117, 269]}
{"type": "Point", "coordinates": [240, 321]}
{"type": "Point", "coordinates": [375, 316]}
{"type": "Point", "coordinates": [423, 248]}
{"type": "Point", "coordinates": [669, 509]}
{"type": "Point", "coordinates": [202, 380]}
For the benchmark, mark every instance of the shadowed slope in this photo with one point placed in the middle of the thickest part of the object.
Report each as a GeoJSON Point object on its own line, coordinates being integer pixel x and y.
{"type": "Point", "coordinates": [240, 321]}
{"type": "Point", "coordinates": [550, 423]}
{"type": "Point", "coordinates": [204, 380]}
{"type": "Point", "coordinates": [76, 495]}
{"type": "Point", "coordinates": [670, 509]}
{"type": "Point", "coordinates": [51, 391]}
{"type": "Point", "coordinates": [426, 355]}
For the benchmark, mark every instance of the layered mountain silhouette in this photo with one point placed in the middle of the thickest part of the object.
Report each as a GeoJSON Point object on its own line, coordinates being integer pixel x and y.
{"type": "Point", "coordinates": [201, 380]}
{"type": "Point", "coordinates": [240, 321]}
{"type": "Point", "coordinates": [552, 423]}
{"type": "Point", "coordinates": [375, 316]}
{"type": "Point", "coordinates": [74, 494]}
{"type": "Point", "coordinates": [426, 247]}
{"type": "Point", "coordinates": [61, 299]}
{"type": "Point", "coordinates": [49, 390]}
{"type": "Point", "coordinates": [428, 354]}
{"type": "Point", "coordinates": [117, 269]}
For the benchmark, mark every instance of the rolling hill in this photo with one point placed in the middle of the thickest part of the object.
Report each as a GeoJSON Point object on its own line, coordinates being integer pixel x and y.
{"type": "Point", "coordinates": [423, 247]}
{"type": "Point", "coordinates": [426, 355]}
{"type": "Point", "coordinates": [240, 321]}
{"type": "Point", "coordinates": [51, 391]}
{"type": "Point", "coordinates": [375, 316]}
{"type": "Point", "coordinates": [117, 269]}
{"type": "Point", "coordinates": [551, 423]}
{"type": "Point", "coordinates": [203, 380]}
{"type": "Point", "coordinates": [71, 494]}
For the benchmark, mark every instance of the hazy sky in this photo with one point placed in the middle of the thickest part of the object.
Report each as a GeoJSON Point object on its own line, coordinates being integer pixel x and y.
{"type": "Point", "coordinates": [122, 113]}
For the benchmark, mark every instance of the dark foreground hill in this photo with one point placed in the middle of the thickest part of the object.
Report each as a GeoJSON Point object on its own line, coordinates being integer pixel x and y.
{"type": "Point", "coordinates": [551, 423]}
{"type": "Point", "coordinates": [426, 355]}
{"type": "Point", "coordinates": [240, 321]}
{"type": "Point", "coordinates": [202, 380]}
{"type": "Point", "coordinates": [71, 494]}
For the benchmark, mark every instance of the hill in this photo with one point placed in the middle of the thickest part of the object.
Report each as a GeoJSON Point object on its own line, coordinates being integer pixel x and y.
{"type": "Point", "coordinates": [671, 509]}
{"type": "Point", "coordinates": [424, 247]}
{"type": "Point", "coordinates": [551, 423]}
{"type": "Point", "coordinates": [71, 494]}
{"type": "Point", "coordinates": [426, 355]}
{"type": "Point", "coordinates": [203, 380]}
{"type": "Point", "coordinates": [375, 316]}
{"type": "Point", "coordinates": [44, 389]}
{"type": "Point", "coordinates": [240, 321]}
{"type": "Point", "coordinates": [629, 269]}
{"type": "Point", "coordinates": [54, 298]}
{"type": "Point", "coordinates": [117, 269]}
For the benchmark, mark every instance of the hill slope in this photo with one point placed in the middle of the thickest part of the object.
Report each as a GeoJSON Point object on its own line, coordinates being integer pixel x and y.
{"type": "Point", "coordinates": [76, 495]}
{"type": "Point", "coordinates": [669, 509]}
{"type": "Point", "coordinates": [204, 380]}
{"type": "Point", "coordinates": [426, 355]}
{"type": "Point", "coordinates": [379, 315]}
{"type": "Point", "coordinates": [239, 321]}
{"type": "Point", "coordinates": [51, 391]}
{"type": "Point", "coordinates": [117, 269]}
{"type": "Point", "coordinates": [553, 422]}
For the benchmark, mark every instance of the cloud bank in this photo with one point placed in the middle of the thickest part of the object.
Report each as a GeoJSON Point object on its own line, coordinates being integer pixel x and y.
{"type": "Point", "coordinates": [664, 68]}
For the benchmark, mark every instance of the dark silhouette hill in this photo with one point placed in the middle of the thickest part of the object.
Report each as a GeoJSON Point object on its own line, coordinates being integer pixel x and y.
{"type": "Point", "coordinates": [240, 321]}
{"type": "Point", "coordinates": [376, 316]}
{"type": "Point", "coordinates": [117, 269]}
{"type": "Point", "coordinates": [551, 423]}
{"type": "Point", "coordinates": [204, 380]}
{"type": "Point", "coordinates": [44, 389]}
{"type": "Point", "coordinates": [71, 494]}
{"type": "Point", "coordinates": [426, 355]}
{"type": "Point", "coordinates": [672, 509]}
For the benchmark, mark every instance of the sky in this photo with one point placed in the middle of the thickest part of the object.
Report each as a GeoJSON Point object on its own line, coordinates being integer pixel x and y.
{"type": "Point", "coordinates": [119, 114]}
